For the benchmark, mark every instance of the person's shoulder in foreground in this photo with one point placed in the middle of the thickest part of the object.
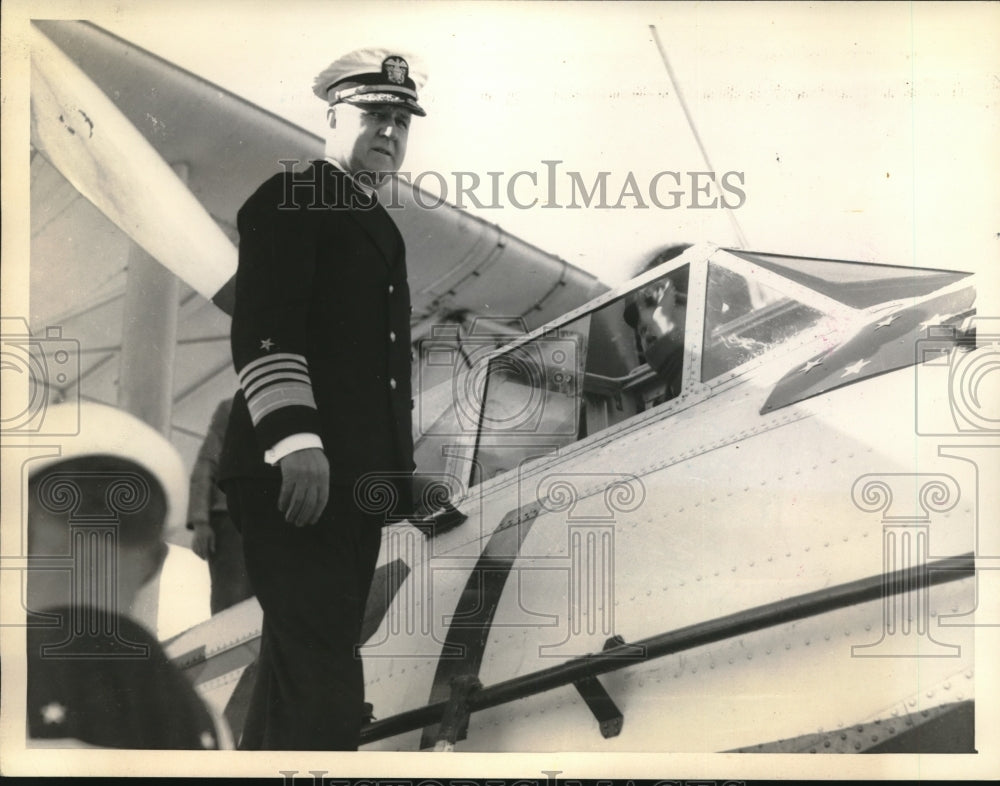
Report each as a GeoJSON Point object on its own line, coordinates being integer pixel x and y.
{"type": "Point", "coordinates": [97, 511]}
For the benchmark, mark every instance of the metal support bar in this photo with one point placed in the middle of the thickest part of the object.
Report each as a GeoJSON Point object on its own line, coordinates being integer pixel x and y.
{"type": "Point", "coordinates": [780, 612]}
{"type": "Point", "coordinates": [609, 717]}
{"type": "Point", "coordinates": [455, 720]}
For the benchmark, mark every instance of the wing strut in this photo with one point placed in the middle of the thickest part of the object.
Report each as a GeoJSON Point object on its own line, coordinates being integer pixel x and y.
{"type": "Point", "coordinates": [95, 147]}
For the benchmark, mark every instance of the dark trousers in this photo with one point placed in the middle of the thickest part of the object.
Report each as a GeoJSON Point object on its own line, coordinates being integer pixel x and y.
{"type": "Point", "coordinates": [312, 583]}
{"type": "Point", "coordinates": [226, 566]}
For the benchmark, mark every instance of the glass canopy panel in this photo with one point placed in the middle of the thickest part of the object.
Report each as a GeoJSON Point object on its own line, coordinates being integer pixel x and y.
{"type": "Point", "coordinates": [745, 318]}
{"type": "Point", "coordinates": [589, 375]}
{"type": "Point", "coordinates": [856, 284]}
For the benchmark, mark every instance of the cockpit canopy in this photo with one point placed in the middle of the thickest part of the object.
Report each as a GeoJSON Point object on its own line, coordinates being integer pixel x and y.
{"type": "Point", "coordinates": [673, 333]}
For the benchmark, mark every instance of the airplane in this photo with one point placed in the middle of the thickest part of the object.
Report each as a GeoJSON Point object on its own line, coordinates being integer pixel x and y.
{"type": "Point", "coordinates": [728, 568]}
{"type": "Point", "coordinates": [624, 563]}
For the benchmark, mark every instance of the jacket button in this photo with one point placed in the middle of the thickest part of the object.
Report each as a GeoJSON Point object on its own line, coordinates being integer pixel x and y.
{"type": "Point", "coordinates": [391, 288]}
{"type": "Point", "coordinates": [392, 336]}
{"type": "Point", "coordinates": [392, 383]}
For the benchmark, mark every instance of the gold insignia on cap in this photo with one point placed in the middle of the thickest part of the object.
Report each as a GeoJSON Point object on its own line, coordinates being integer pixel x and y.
{"type": "Point", "coordinates": [395, 68]}
{"type": "Point", "coordinates": [381, 76]}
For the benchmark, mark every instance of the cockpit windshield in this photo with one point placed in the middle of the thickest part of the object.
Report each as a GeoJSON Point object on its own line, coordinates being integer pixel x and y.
{"type": "Point", "coordinates": [744, 318]}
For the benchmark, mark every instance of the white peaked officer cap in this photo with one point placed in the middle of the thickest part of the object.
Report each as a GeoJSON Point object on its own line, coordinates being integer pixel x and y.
{"type": "Point", "coordinates": [107, 431]}
{"type": "Point", "coordinates": [373, 76]}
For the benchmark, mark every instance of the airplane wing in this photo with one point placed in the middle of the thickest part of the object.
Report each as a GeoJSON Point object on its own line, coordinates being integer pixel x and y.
{"type": "Point", "coordinates": [227, 146]}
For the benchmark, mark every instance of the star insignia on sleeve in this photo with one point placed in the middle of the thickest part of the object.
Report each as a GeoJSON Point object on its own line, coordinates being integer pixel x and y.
{"type": "Point", "coordinates": [810, 365]}
{"type": "Point", "coordinates": [267, 345]}
{"type": "Point", "coordinates": [886, 322]}
{"type": "Point", "coordinates": [53, 713]}
{"type": "Point", "coordinates": [854, 368]}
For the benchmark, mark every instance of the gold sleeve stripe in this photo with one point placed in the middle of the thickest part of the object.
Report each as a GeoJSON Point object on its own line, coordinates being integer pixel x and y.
{"type": "Point", "coordinates": [279, 396]}
{"type": "Point", "coordinates": [276, 381]}
{"type": "Point", "coordinates": [267, 363]}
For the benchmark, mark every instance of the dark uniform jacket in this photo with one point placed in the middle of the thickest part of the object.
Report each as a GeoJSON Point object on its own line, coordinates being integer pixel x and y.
{"type": "Point", "coordinates": [321, 328]}
{"type": "Point", "coordinates": [111, 686]}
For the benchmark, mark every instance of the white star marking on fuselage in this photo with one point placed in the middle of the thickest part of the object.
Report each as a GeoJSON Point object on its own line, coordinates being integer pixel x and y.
{"type": "Point", "coordinates": [854, 368]}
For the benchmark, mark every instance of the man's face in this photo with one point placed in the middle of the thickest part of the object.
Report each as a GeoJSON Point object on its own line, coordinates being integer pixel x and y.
{"type": "Point", "coordinates": [656, 313]}
{"type": "Point", "coordinates": [650, 325]}
{"type": "Point", "coordinates": [370, 138]}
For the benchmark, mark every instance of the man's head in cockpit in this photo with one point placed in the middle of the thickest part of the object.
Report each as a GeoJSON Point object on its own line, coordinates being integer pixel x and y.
{"type": "Point", "coordinates": [653, 313]}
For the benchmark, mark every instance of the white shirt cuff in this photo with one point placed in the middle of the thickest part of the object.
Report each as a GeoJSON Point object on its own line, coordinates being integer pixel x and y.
{"type": "Point", "coordinates": [291, 444]}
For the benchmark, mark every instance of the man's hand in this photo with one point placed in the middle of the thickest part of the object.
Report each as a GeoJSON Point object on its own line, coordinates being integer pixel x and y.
{"type": "Point", "coordinates": [203, 541]}
{"type": "Point", "coordinates": [305, 486]}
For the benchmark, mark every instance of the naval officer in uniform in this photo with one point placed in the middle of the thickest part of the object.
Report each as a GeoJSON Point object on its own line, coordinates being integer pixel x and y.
{"type": "Point", "coordinates": [321, 344]}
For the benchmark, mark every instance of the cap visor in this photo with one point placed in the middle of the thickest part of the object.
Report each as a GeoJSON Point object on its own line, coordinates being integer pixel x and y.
{"type": "Point", "coordinates": [383, 99]}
